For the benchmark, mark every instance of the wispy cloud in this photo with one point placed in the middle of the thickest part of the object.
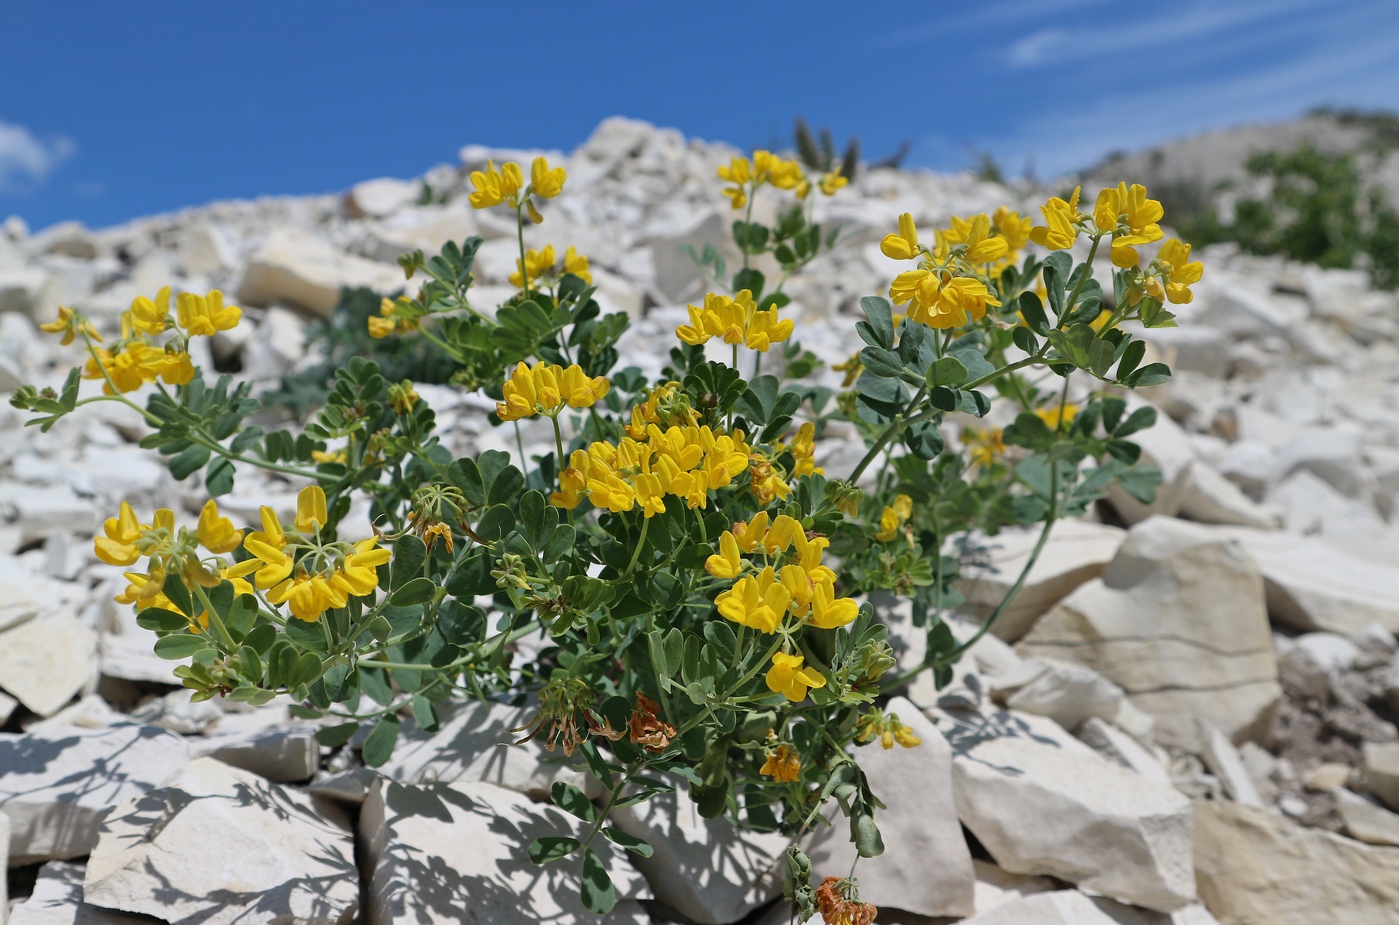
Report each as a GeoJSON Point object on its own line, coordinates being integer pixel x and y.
{"type": "Point", "coordinates": [26, 160]}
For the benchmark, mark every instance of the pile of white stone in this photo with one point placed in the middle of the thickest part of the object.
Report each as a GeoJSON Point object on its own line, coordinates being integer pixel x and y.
{"type": "Point", "coordinates": [1187, 716]}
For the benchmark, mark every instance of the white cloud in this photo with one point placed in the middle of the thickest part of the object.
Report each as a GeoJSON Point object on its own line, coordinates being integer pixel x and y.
{"type": "Point", "coordinates": [26, 159]}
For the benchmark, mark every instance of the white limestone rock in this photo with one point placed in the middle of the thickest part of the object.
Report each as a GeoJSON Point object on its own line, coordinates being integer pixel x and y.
{"type": "Point", "coordinates": [219, 845]}
{"type": "Point", "coordinates": [474, 743]}
{"type": "Point", "coordinates": [1211, 498]}
{"type": "Point", "coordinates": [457, 854]}
{"type": "Point", "coordinates": [1380, 763]}
{"type": "Point", "coordinates": [381, 197]}
{"type": "Point", "coordinates": [278, 754]}
{"type": "Point", "coordinates": [1253, 865]}
{"type": "Point", "coordinates": [1168, 447]}
{"type": "Point", "coordinates": [1178, 621]}
{"type": "Point", "coordinates": [1312, 586]}
{"type": "Point", "coordinates": [1070, 694]}
{"type": "Point", "coordinates": [1076, 551]}
{"type": "Point", "coordinates": [1369, 822]}
{"type": "Point", "coordinates": [705, 869]}
{"type": "Point", "coordinates": [58, 900]}
{"type": "Point", "coordinates": [1042, 802]}
{"type": "Point", "coordinates": [1223, 759]}
{"type": "Point", "coordinates": [1064, 907]}
{"type": "Point", "coordinates": [59, 781]}
{"type": "Point", "coordinates": [47, 661]}
{"type": "Point", "coordinates": [1111, 742]}
{"type": "Point", "coordinates": [995, 887]}
{"type": "Point", "coordinates": [296, 269]}
{"type": "Point", "coordinates": [926, 867]}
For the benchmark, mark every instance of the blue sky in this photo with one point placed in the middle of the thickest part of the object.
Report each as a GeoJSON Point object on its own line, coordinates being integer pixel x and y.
{"type": "Point", "coordinates": [109, 111]}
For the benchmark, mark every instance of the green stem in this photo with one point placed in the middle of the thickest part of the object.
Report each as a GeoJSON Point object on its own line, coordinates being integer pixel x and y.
{"type": "Point", "coordinates": [214, 617]}
{"type": "Point", "coordinates": [520, 231]}
{"type": "Point", "coordinates": [558, 451]}
{"type": "Point", "coordinates": [640, 544]}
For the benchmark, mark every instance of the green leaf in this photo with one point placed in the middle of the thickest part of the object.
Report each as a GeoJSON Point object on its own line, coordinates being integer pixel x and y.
{"type": "Point", "coordinates": [495, 523]}
{"type": "Point", "coordinates": [633, 844]}
{"type": "Point", "coordinates": [596, 890]}
{"type": "Point", "coordinates": [179, 645]}
{"type": "Point", "coordinates": [306, 634]}
{"type": "Point", "coordinates": [1131, 359]}
{"type": "Point", "coordinates": [971, 357]}
{"type": "Point", "coordinates": [949, 371]}
{"type": "Point", "coordinates": [552, 848]}
{"type": "Point", "coordinates": [337, 735]}
{"type": "Point", "coordinates": [188, 461]}
{"type": "Point", "coordinates": [218, 478]}
{"type": "Point", "coordinates": [425, 713]}
{"type": "Point", "coordinates": [418, 591]}
{"type": "Point", "coordinates": [506, 487]}
{"type": "Point", "coordinates": [880, 362]}
{"type": "Point", "coordinates": [879, 330]}
{"type": "Point", "coordinates": [466, 476]}
{"type": "Point", "coordinates": [572, 800]}
{"type": "Point", "coordinates": [1151, 374]}
{"type": "Point", "coordinates": [750, 279]}
{"type": "Point", "coordinates": [380, 744]}
{"type": "Point", "coordinates": [1032, 310]}
{"type": "Point", "coordinates": [1138, 420]}
{"type": "Point", "coordinates": [241, 616]}
{"type": "Point", "coordinates": [161, 620]}
{"type": "Point", "coordinates": [408, 555]}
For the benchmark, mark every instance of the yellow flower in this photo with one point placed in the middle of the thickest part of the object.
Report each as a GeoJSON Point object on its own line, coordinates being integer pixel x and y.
{"type": "Point", "coordinates": [726, 563]}
{"type": "Point", "coordinates": [984, 446]}
{"type": "Point", "coordinates": [546, 183]}
{"type": "Point", "coordinates": [832, 182]}
{"type": "Point", "coordinates": [309, 596]}
{"type": "Point", "coordinates": [750, 535]}
{"type": "Point", "coordinates": [329, 456]}
{"type": "Point", "coordinates": [941, 305]}
{"type": "Point", "coordinates": [216, 533]}
{"type": "Point", "coordinates": [1060, 230]}
{"type": "Point", "coordinates": [357, 575]}
{"type": "Point", "coordinates": [827, 610]}
{"type": "Point", "coordinates": [117, 547]}
{"type": "Point", "coordinates": [782, 765]}
{"type": "Point", "coordinates": [545, 389]}
{"type": "Point", "coordinates": [1012, 227]}
{"type": "Point", "coordinates": [788, 678]}
{"type": "Point", "coordinates": [205, 316]}
{"type": "Point", "coordinates": [785, 174]}
{"type": "Point", "coordinates": [71, 324]}
{"type": "Point", "coordinates": [981, 246]}
{"type": "Point", "coordinates": [904, 244]}
{"type": "Point", "coordinates": [736, 321]}
{"type": "Point", "coordinates": [495, 187]}
{"type": "Point", "coordinates": [536, 264]}
{"type": "Point", "coordinates": [150, 316]}
{"type": "Point", "coordinates": [265, 546]}
{"type": "Point", "coordinates": [758, 602]}
{"type": "Point", "coordinates": [577, 264]}
{"type": "Point", "coordinates": [892, 518]}
{"type": "Point", "coordinates": [310, 510]}
{"type": "Point", "coordinates": [1131, 218]}
{"type": "Point", "coordinates": [380, 327]}
{"type": "Point", "coordinates": [1053, 418]}
{"type": "Point", "coordinates": [1182, 273]}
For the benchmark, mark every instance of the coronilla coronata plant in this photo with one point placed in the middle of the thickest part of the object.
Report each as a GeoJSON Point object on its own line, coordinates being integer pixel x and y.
{"type": "Point", "coordinates": [695, 583]}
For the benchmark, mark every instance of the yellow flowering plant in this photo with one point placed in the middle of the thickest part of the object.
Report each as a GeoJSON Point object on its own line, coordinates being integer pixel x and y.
{"type": "Point", "coordinates": [693, 578]}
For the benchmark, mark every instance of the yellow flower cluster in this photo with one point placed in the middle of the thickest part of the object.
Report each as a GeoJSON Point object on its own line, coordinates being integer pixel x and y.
{"type": "Point", "coordinates": [327, 578]}
{"type": "Point", "coordinates": [765, 167]}
{"type": "Point", "coordinates": [892, 518]}
{"type": "Point", "coordinates": [735, 321]}
{"type": "Point", "coordinates": [783, 764]}
{"type": "Point", "coordinates": [984, 446]}
{"type": "Point", "coordinates": [389, 320]}
{"type": "Point", "coordinates": [135, 359]}
{"type": "Point", "coordinates": [887, 728]}
{"type": "Point", "coordinates": [1131, 219]}
{"type": "Point", "coordinates": [686, 462]}
{"type": "Point", "coordinates": [545, 389]}
{"type": "Point", "coordinates": [540, 263]}
{"type": "Point", "coordinates": [800, 585]}
{"type": "Point", "coordinates": [948, 287]}
{"type": "Point", "coordinates": [495, 187]}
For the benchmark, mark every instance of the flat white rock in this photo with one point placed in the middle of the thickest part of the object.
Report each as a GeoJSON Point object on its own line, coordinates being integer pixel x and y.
{"type": "Point", "coordinates": [59, 781]}
{"type": "Point", "coordinates": [58, 900]}
{"type": "Point", "coordinates": [218, 845]}
{"type": "Point", "coordinates": [1178, 621]}
{"type": "Point", "coordinates": [456, 853]}
{"type": "Point", "coordinates": [47, 661]}
{"type": "Point", "coordinates": [1042, 802]}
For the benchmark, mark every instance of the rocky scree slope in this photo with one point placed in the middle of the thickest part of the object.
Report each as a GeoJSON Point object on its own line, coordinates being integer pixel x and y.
{"type": "Point", "coordinates": [1188, 717]}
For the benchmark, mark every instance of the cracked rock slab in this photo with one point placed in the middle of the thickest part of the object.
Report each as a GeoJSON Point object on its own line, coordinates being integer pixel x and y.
{"type": "Point", "coordinates": [1042, 802]}
{"type": "Point", "coordinates": [56, 783]}
{"type": "Point", "coordinates": [219, 845]}
{"type": "Point", "coordinates": [456, 854]}
{"type": "Point", "coordinates": [1178, 621]}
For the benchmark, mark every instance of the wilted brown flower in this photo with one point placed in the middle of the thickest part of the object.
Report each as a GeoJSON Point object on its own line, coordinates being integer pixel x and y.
{"type": "Point", "coordinates": [839, 903]}
{"type": "Point", "coordinates": [647, 728]}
